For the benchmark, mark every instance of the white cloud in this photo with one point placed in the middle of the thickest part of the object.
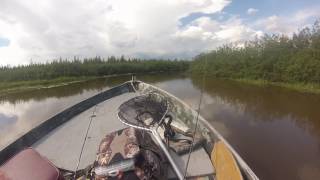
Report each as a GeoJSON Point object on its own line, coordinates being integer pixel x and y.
{"type": "Point", "coordinates": [252, 11]}
{"type": "Point", "coordinates": [290, 23]}
{"type": "Point", "coordinates": [47, 29]}
{"type": "Point", "coordinates": [42, 30]}
{"type": "Point", "coordinates": [276, 24]}
{"type": "Point", "coordinates": [205, 33]}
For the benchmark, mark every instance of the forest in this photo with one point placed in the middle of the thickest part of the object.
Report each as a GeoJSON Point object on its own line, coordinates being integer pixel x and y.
{"type": "Point", "coordinates": [89, 67]}
{"type": "Point", "coordinates": [271, 58]}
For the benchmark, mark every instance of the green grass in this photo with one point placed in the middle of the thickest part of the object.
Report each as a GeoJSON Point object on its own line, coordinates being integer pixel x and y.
{"type": "Point", "coordinates": [18, 86]}
{"type": "Point", "coordinates": [301, 87]}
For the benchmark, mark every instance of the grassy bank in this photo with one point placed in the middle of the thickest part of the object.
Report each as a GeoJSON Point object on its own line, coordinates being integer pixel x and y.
{"type": "Point", "coordinates": [301, 87]}
{"type": "Point", "coordinates": [18, 86]}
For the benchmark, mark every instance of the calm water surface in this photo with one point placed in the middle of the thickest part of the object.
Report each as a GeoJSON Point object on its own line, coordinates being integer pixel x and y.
{"type": "Point", "coordinates": [275, 130]}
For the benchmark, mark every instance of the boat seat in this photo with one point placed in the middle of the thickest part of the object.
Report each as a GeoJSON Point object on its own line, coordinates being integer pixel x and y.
{"type": "Point", "coordinates": [28, 164]}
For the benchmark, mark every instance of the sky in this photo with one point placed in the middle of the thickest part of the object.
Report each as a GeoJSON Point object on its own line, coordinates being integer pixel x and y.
{"type": "Point", "coordinates": [43, 30]}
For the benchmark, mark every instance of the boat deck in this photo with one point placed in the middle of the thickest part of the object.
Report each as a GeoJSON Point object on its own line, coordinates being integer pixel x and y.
{"type": "Point", "coordinates": [63, 145]}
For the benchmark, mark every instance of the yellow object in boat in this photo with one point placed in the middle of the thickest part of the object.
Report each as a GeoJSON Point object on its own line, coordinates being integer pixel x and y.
{"type": "Point", "coordinates": [225, 165]}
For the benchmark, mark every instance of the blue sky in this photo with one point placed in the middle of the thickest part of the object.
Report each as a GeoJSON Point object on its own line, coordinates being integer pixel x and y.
{"type": "Point", "coordinates": [4, 42]}
{"type": "Point", "coordinates": [269, 7]}
{"type": "Point", "coordinates": [265, 8]}
{"type": "Point", "coordinates": [140, 28]}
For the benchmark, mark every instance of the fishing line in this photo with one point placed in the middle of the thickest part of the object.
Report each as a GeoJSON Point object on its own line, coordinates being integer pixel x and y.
{"type": "Point", "coordinates": [84, 141]}
{"type": "Point", "coordinates": [198, 114]}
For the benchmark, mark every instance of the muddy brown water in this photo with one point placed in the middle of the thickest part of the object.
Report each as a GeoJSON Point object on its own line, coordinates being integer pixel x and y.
{"type": "Point", "coordinates": [275, 130]}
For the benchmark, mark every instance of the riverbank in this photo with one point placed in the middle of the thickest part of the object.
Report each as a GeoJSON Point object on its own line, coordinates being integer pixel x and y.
{"type": "Point", "coordinates": [18, 86]}
{"type": "Point", "coordinates": [300, 87]}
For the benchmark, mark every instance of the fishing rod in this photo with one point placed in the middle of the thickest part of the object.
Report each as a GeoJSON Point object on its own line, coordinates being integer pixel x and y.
{"type": "Point", "coordinates": [197, 118]}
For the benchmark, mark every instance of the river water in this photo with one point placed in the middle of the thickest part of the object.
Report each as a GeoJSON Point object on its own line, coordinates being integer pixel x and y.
{"type": "Point", "coordinates": [275, 130]}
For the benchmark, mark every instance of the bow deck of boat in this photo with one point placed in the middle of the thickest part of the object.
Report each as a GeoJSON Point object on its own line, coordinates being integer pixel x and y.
{"type": "Point", "coordinates": [63, 145]}
{"type": "Point", "coordinates": [78, 130]}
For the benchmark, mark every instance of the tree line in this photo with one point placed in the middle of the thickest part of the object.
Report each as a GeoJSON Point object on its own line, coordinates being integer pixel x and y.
{"type": "Point", "coordinates": [96, 66]}
{"type": "Point", "coordinates": [274, 58]}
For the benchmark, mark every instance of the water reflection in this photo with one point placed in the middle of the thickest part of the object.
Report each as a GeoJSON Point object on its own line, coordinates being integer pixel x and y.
{"type": "Point", "coordinates": [268, 104]}
{"type": "Point", "coordinates": [62, 91]}
{"type": "Point", "coordinates": [7, 120]}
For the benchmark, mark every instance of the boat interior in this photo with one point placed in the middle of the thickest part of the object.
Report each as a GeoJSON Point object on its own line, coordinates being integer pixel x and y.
{"type": "Point", "coordinates": [96, 140]}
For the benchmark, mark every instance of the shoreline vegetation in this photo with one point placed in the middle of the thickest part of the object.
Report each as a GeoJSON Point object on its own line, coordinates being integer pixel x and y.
{"type": "Point", "coordinates": [18, 86]}
{"type": "Point", "coordinates": [287, 61]}
{"type": "Point", "coordinates": [300, 87]}
{"type": "Point", "coordinates": [63, 72]}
